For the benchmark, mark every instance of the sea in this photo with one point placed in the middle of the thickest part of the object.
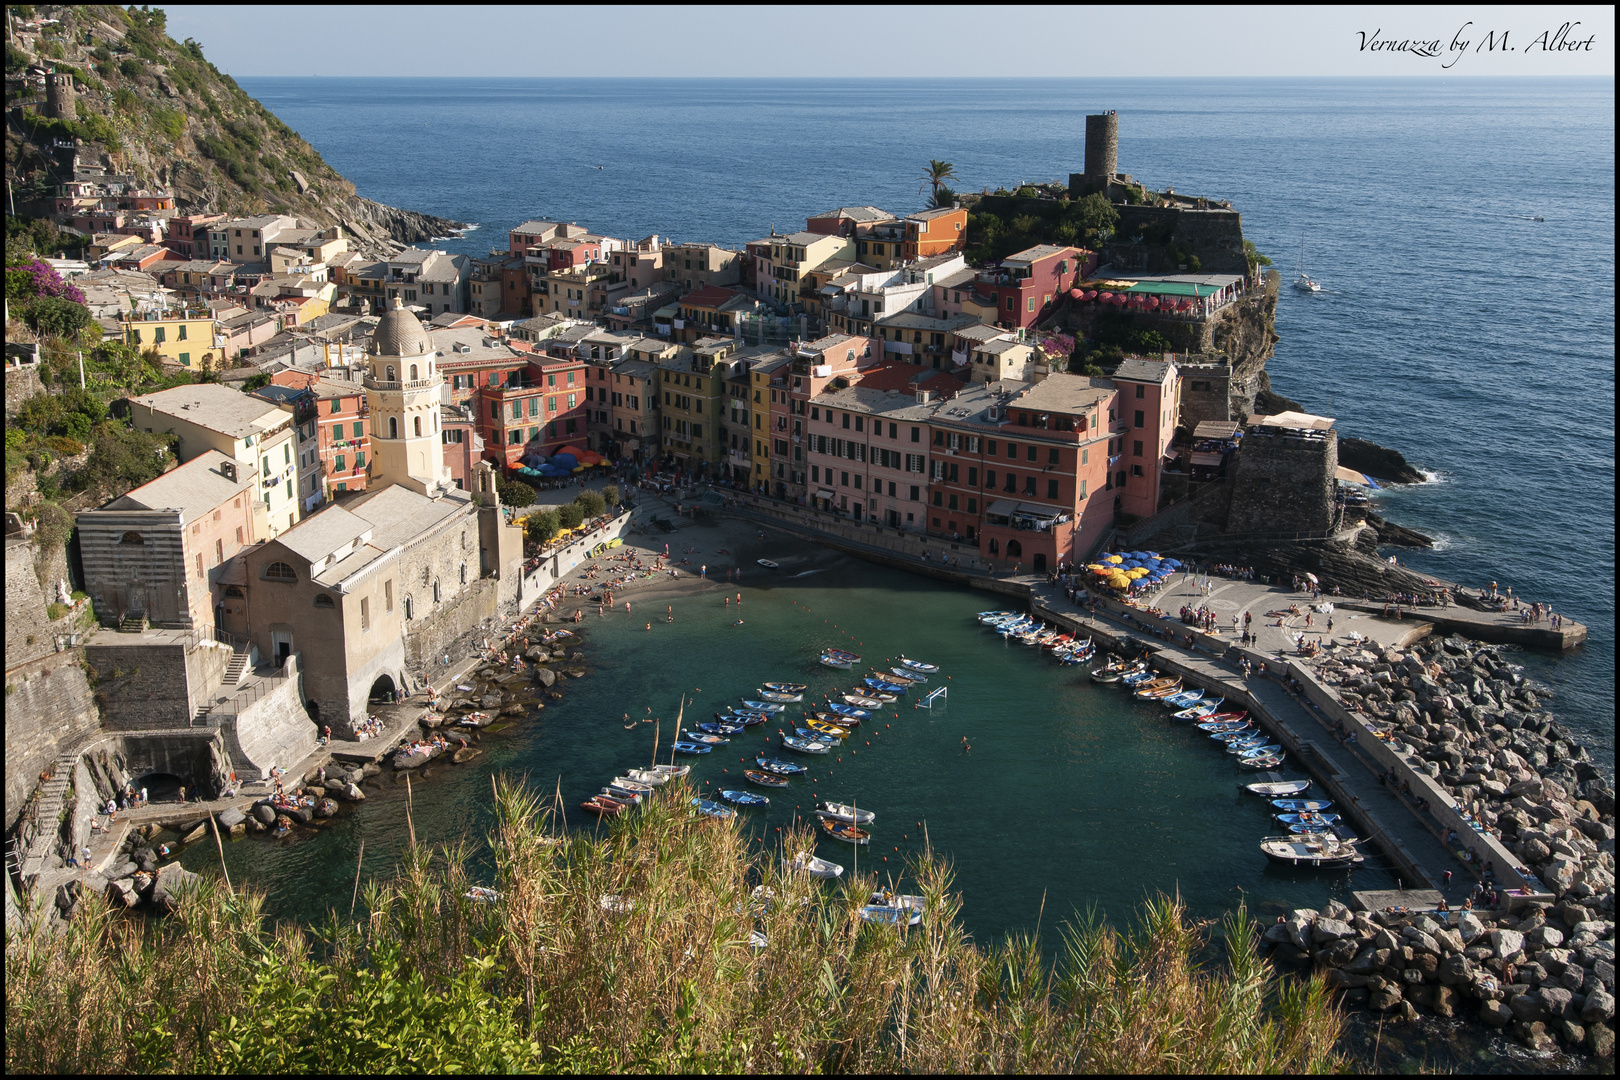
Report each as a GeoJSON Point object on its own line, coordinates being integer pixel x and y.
{"type": "Point", "coordinates": [1462, 228]}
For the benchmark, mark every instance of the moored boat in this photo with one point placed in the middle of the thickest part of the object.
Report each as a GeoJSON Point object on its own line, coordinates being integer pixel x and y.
{"type": "Point", "coordinates": [1311, 849]}
{"type": "Point", "coordinates": [673, 770]}
{"type": "Point", "coordinates": [822, 727]}
{"type": "Point", "coordinates": [842, 654]}
{"type": "Point", "coordinates": [837, 662]}
{"type": "Point", "coordinates": [651, 777]}
{"type": "Point", "coordinates": [893, 908]}
{"type": "Point", "coordinates": [708, 739]}
{"type": "Point", "coordinates": [713, 809]}
{"type": "Point", "coordinates": [744, 798]}
{"type": "Point", "coordinates": [849, 710]}
{"type": "Point", "coordinates": [815, 867]}
{"type": "Point", "coordinates": [764, 706]}
{"type": "Point", "coordinates": [1277, 788]}
{"type": "Point", "coordinates": [603, 806]}
{"type": "Point", "coordinates": [768, 564]}
{"type": "Point", "coordinates": [844, 812]}
{"type": "Point", "coordinates": [849, 834]}
{"type": "Point", "coordinates": [1158, 688]}
{"type": "Point", "coordinates": [1262, 762]}
{"type": "Point", "coordinates": [805, 746]}
{"type": "Point", "coordinates": [720, 727]}
{"type": "Point", "coordinates": [903, 673]}
{"type": "Point", "coordinates": [779, 696]}
{"type": "Point", "coordinates": [1322, 821]}
{"type": "Point", "coordinates": [787, 687]}
{"type": "Point", "coordinates": [918, 665]}
{"type": "Point", "coordinates": [683, 747]}
{"type": "Point", "coordinates": [886, 687]}
{"type": "Point", "coordinates": [820, 735]}
{"type": "Point", "coordinates": [862, 701]}
{"type": "Point", "coordinates": [1302, 805]}
{"type": "Point", "coordinates": [624, 795]}
{"type": "Point", "coordinates": [835, 718]}
{"type": "Point", "coordinates": [779, 767]}
{"type": "Point", "coordinates": [764, 779]}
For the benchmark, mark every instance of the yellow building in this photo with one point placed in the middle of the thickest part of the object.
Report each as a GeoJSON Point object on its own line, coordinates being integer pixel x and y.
{"type": "Point", "coordinates": [255, 432]}
{"type": "Point", "coordinates": [185, 338]}
{"type": "Point", "coordinates": [767, 378]}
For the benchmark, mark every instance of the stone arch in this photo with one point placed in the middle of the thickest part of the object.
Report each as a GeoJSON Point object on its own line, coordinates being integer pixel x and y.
{"type": "Point", "coordinates": [391, 373]}
{"type": "Point", "coordinates": [413, 373]}
{"type": "Point", "coordinates": [382, 688]}
{"type": "Point", "coordinates": [324, 601]}
{"type": "Point", "coordinates": [418, 421]}
{"type": "Point", "coordinates": [1014, 549]}
{"type": "Point", "coordinates": [132, 537]}
{"type": "Point", "coordinates": [393, 427]}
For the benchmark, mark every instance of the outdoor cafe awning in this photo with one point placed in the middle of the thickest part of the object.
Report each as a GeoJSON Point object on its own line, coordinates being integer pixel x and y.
{"type": "Point", "coordinates": [1350, 476]}
{"type": "Point", "coordinates": [1040, 513]}
{"type": "Point", "coordinates": [1206, 458]}
{"type": "Point", "coordinates": [1002, 508]}
{"type": "Point", "coordinates": [824, 494]}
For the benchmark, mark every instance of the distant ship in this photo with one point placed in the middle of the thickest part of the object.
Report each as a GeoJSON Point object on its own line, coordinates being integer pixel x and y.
{"type": "Point", "coordinates": [1304, 283]}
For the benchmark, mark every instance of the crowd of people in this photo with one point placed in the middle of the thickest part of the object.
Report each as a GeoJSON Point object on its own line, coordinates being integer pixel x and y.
{"type": "Point", "coordinates": [369, 728]}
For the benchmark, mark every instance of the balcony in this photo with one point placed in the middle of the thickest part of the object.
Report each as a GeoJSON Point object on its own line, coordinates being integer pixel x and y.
{"type": "Point", "coordinates": [409, 384]}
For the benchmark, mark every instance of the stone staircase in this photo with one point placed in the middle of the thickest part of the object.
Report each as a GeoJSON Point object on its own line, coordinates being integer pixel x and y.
{"type": "Point", "coordinates": [237, 667]}
{"type": "Point", "coordinates": [53, 793]}
{"type": "Point", "coordinates": [133, 622]}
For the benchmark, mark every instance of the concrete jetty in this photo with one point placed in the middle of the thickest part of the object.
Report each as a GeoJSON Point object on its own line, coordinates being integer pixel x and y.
{"type": "Point", "coordinates": [1498, 626]}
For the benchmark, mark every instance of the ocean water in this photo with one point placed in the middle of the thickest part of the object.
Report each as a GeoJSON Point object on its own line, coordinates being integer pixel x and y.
{"type": "Point", "coordinates": [1452, 327]}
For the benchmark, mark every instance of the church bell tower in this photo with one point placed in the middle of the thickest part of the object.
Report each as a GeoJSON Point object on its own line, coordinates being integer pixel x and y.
{"type": "Point", "coordinates": [403, 389]}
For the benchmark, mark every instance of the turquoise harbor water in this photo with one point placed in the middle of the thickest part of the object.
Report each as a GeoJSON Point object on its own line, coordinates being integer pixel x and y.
{"type": "Point", "coordinates": [1453, 328]}
{"type": "Point", "coordinates": [1073, 794]}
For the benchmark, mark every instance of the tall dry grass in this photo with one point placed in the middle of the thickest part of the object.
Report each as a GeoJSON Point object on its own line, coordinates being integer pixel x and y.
{"type": "Point", "coordinates": [550, 979]}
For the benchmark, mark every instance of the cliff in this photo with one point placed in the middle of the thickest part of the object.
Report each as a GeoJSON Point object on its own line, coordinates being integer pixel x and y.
{"type": "Point", "coordinates": [167, 118]}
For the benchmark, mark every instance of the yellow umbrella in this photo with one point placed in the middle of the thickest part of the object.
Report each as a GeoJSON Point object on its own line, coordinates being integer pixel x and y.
{"type": "Point", "coordinates": [1116, 559]}
{"type": "Point", "coordinates": [1119, 581]}
{"type": "Point", "coordinates": [1095, 566]}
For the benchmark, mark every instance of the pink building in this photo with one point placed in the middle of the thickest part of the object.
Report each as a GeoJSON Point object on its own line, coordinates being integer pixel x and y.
{"type": "Point", "coordinates": [1027, 286]}
{"type": "Point", "coordinates": [1147, 405]}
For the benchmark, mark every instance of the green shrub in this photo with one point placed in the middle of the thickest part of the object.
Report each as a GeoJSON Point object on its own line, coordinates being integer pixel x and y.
{"type": "Point", "coordinates": [542, 526]}
{"type": "Point", "coordinates": [611, 494]}
{"type": "Point", "coordinates": [592, 503]}
{"type": "Point", "coordinates": [54, 611]}
{"type": "Point", "coordinates": [514, 493]}
{"type": "Point", "coordinates": [571, 515]}
{"type": "Point", "coordinates": [131, 68]}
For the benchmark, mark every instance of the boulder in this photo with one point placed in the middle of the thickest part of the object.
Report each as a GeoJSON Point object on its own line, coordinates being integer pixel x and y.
{"type": "Point", "coordinates": [1334, 909]}
{"type": "Point", "coordinates": [125, 869]}
{"type": "Point", "coordinates": [490, 701]}
{"type": "Point", "coordinates": [1450, 941]}
{"type": "Point", "coordinates": [1495, 1014]}
{"type": "Point", "coordinates": [230, 817]}
{"type": "Point", "coordinates": [1365, 962]}
{"type": "Point", "coordinates": [1338, 979]}
{"type": "Point", "coordinates": [1421, 942]}
{"type": "Point", "coordinates": [1469, 927]}
{"type": "Point", "coordinates": [1455, 970]}
{"type": "Point", "coordinates": [1534, 1034]}
{"type": "Point", "coordinates": [1599, 1006]}
{"type": "Point", "coordinates": [1600, 1041]}
{"type": "Point", "coordinates": [1555, 1000]}
{"type": "Point", "coordinates": [195, 834]}
{"type": "Point", "coordinates": [353, 793]}
{"type": "Point", "coordinates": [545, 676]}
{"type": "Point", "coordinates": [325, 808]}
{"type": "Point", "coordinates": [1527, 1008]}
{"type": "Point", "coordinates": [465, 754]}
{"type": "Point", "coordinates": [1445, 1001]}
{"type": "Point", "coordinates": [1327, 929]}
{"type": "Point", "coordinates": [1546, 937]}
{"type": "Point", "coordinates": [241, 828]}
{"type": "Point", "coordinates": [1508, 944]}
{"type": "Point", "coordinates": [121, 893]}
{"type": "Point", "coordinates": [1338, 953]}
{"type": "Point", "coordinates": [265, 813]}
{"type": "Point", "coordinates": [1299, 931]}
{"type": "Point", "coordinates": [1384, 998]}
{"type": "Point", "coordinates": [1276, 934]}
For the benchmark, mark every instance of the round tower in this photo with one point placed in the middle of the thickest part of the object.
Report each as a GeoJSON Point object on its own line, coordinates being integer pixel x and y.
{"type": "Point", "coordinates": [1102, 148]}
{"type": "Point", "coordinates": [403, 384]}
{"type": "Point", "coordinates": [60, 97]}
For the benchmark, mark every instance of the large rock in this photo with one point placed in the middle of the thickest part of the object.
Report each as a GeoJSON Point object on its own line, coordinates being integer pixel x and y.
{"type": "Point", "coordinates": [1331, 930]}
{"type": "Point", "coordinates": [490, 701]}
{"type": "Point", "coordinates": [353, 793]}
{"type": "Point", "coordinates": [1455, 970]}
{"type": "Point", "coordinates": [1496, 1014]}
{"type": "Point", "coordinates": [1527, 1008]}
{"type": "Point", "coordinates": [1555, 1000]}
{"type": "Point", "coordinates": [1469, 927]}
{"type": "Point", "coordinates": [230, 817]}
{"type": "Point", "coordinates": [1599, 1007]}
{"type": "Point", "coordinates": [1509, 944]}
{"type": "Point", "coordinates": [336, 785]}
{"type": "Point", "coordinates": [1338, 979]}
{"type": "Point", "coordinates": [265, 813]}
{"type": "Point", "coordinates": [121, 893]}
{"type": "Point", "coordinates": [545, 676]}
{"type": "Point", "coordinates": [1445, 1001]}
{"type": "Point", "coordinates": [1338, 953]}
{"type": "Point", "coordinates": [1384, 998]}
{"type": "Point", "coordinates": [1545, 937]}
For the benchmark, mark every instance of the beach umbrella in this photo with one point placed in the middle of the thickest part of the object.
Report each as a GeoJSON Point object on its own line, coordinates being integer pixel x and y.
{"type": "Point", "coordinates": [1312, 579]}
{"type": "Point", "coordinates": [1114, 558]}
{"type": "Point", "coordinates": [1091, 294]}
{"type": "Point", "coordinates": [1075, 294]}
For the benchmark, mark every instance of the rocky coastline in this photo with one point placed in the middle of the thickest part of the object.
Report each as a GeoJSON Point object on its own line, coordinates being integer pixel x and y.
{"type": "Point", "coordinates": [1540, 967]}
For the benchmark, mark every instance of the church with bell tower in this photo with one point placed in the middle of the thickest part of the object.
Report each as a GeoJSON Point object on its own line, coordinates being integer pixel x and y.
{"type": "Point", "coordinates": [403, 391]}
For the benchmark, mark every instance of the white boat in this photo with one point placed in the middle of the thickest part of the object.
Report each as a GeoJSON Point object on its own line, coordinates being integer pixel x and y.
{"type": "Point", "coordinates": [837, 662]}
{"type": "Point", "coordinates": [648, 776]}
{"type": "Point", "coordinates": [767, 564]}
{"type": "Point", "coordinates": [1304, 283]}
{"type": "Point", "coordinates": [893, 908]}
{"type": "Point", "coordinates": [815, 867]}
{"type": "Point", "coordinates": [1277, 789]}
{"type": "Point", "coordinates": [918, 665]}
{"type": "Point", "coordinates": [1311, 849]}
{"type": "Point", "coordinates": [672, 771]}
{"type": "Point", "coordinates": [844, 812]}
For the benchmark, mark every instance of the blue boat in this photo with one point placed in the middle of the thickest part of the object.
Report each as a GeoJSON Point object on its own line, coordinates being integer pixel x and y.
{"type": "Point", "coordinates": [1254, 752]}
{"type": "Point", "coordinates": [781, 696]}
{"type": "Point", "coordinates": [736, 716]}
{"type": "Point", "coordinates": [1307, 819]}
{"type": "Point", "coordinates": [710, 740]}
{"type": "Point", "coordinates": [886, 687]}
{"type": "Point", "coordinates": [812, 735]}
{"type": "Point", "coordinates": [1297, 805]}
{"type": "Point", "coordinates": [849, 710]}
{"type": "Point", "coordinates": [714, 809]}
{"type": "Point", "coordinates": [763, 706]}
{"type": "Point", "coordinates": [778, 766]}
{"type": "Point", "coordinates": [684, 747]}
{"type": "Point", "coordinates": [805, 746]}
{"type": "Point", "coordinates": [744, 798]}
{"type": "Point", "coordinates": [719, 728]}
{"type": "Point", "coordinates": [1181, 700]}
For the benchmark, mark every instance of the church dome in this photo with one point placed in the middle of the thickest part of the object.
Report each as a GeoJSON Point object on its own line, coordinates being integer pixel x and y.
{"type": "Point", "coordinates": [399, 333]}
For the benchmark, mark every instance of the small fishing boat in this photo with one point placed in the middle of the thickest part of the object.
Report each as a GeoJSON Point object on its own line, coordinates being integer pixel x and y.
{"type": "Point", "coordinates": [768, 564]}
{"type": "Point", "coordinates": [885, 686]}
{"type": "Point", "coordinates": [708, 739]}
{"type": "Point", "coordinates": [681, 746]}
{"type": "Point", "coordinates": [1151, 692]}
{"type": "Point", "coordinates": [787, 687]}
{"type": "Point", "coordinates": [834, 718]}
{"type": "Point", "coordinates": [479, 894]}
{"type": "Point", "coordinates": [805, 746]}
{"type": "Point", "coordinates": [672, 771]}
{"type": "Point", "coordinates": [894, 909]}
{"type": "Point", "coordinates": [1311, 849]}
{"type": "Point", "coordinates": [603, 806]}
{"type": "Point", "coordinates": [633, 784]}
{"type": "Point", "coordinates": [720, 727]}
{"type": "Point", "coordinates": [837, 662]}
{"type": "Point", "coordinates": [1183, 699]}
{"type": "Point", "coordinates": [780, 698]}
{"type": "Point", "coordinates": [822, 727]}
{"type": "Point", "coordinates": [613, 791]}
{"type": "Point", "coordinates": [713, 809]}
{"type": "Point", "coordinates": [844, 812]}
{"type": "Point", "coordinates": [1207, 725]}
{"type": "Point", "coordinates": [1236, 714]}
{"type": "Point", "coordinates": [744, 798]}
{"type": "Point", "coordinates": [1302, 805]}
{"type": "Point", "coordinates": [1108, 674]}
{"type": "Point", "coordinates": [882, 697]}
{"type": "Point", "coordinates": [737, 716]}
{"type": "Point", "coordinates": [853, 658]}
{"type": "Point", "coordinates": [1139, 676]}
{"type": "Point", "coordinates": [904, 673]}
{"type": "Point", "coordinates": [779, 767]}
{"type": "Point", "coordinates": [1262, 762]}
{"type": "Point", "coordinates": [1247, 753]}
{"type": "Point", "coordinates": [993, 616]}
{"type": "Point", "coordinates": [763, 706]}
{"type": "Point", "coordinates": [764, 779]}
{"type": "Point", "coordinates": [849, 834]}
{"type": "Point", "coordinates": [849, 710]}
{"type": "Point", "coordinates": [1269, 789]}
{"type": "Point", "coordinates": [815, 867]}
{"type": "Point", "coordinates": [1196, 711]}
{"type": "Point", "coordinates": [918, 665]}
{"type": "Point", "coordinates": [863, 701]}
{"type": "Point", "coordinates": [1320, 820]}
{"type": "Point", "coordinates": [814, 735]}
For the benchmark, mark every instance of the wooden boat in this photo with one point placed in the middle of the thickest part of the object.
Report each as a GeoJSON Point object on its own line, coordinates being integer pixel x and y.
{"type": "Point", "coordinates": [672, 770]}
{"type": "Point", "coordinates": [1183, 699]}
{"type": "Point", "coordinates": [1269, 789]}
{"type": "Point", "coordinates": [918, 665]}
{"type": "Point", "coordinates": [720, 727]}
{"type": "Point", "coordinates": [844, 812]}
{"type": "Point", "coordinates": [681, 746]}
{"type": "Point", "coordinates": [805, 746]}
{"type": "Point", "coordinates": [1235, 714]}
{"type": "Point", "coordinates": [778, 696]}
{"type": "Point", "coordinates": [763, 706]}
{"type": "Point", "coordinates": [708, 739]}
{"type": "Point", "coordinates": [834, 718]}
{"type": "Point", "coordinates": [768, 564]}
{"type": "Point", "coordinates": [838, 662]}
{"type": "Point", "coordinates": [1302, 805]}
{"type": "Point", "coordinates": [603, 806]}
{"type": "Point", "coordinates": [1109, 674]}
{"type": "Point", "coordinates": [849, 834]}
{"type": "Point", "coordinates": [842, 654]}
{"type": "Point", "coordinates": [863, 701]}
{"type": "Point", "coordinates": [882, 697]}
{"type": "Point", "coordinates": [824, 728]}
{"type": "Point", "coordinates": [619, 794]}
{"type": "Point", "coordinates": [810, 864]}
{"type": "Point", "coordinates": [713, 809]}
{"type": "Point", "coordinates": [1150, 692]}
{"type": "Point", "coordinates": [886, 687]}
{"type": "Point", "coordinates": [1205, 724]}
{"type": "Point", "coordinates": [787, 687]}
{"type": "Point", "coordinates": [1247, 753]}
{"type": "Point", "coordinates": [778, 766]}
{"type": "Point", "coordinates": [893, 909]}
{"type": "Point", "coordinates": [1139, 677]}
{"type": "Point", "coordinates": [904, 675]}
{"type": "Point", "coordinates": [1311, 849]}
{"type": "Point", "coordinates": [1319, 820]}
{"type": "Point", "coordinates": [1196, 711]}
{"type": "Point", "coordinates": [746, 719]}
{"type": "Point", "coordinates": [744, 798]}
{"type": "Point", "coordinates": [813, 735]}
{"type": "Point", "coordinates": [850, 710]}
{"type": "Point", "coordinates": [764, 779]}
{"type": "Point", "coordinates": [1262, 762]}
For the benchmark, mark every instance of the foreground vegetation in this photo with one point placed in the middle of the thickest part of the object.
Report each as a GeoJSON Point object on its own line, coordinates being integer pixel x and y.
{"type": "Point", "coordinates": [549, 979]}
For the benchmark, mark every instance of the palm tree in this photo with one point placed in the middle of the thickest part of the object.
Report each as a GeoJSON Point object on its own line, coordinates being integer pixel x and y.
{"type": "Point", "coordinates": [938, 173]}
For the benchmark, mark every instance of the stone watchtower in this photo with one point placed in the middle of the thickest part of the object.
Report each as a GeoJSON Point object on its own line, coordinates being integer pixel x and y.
{"type": "Point", "coordinates": [60, 97]}
{"type": "Point", "coordinates": [402, 389]}
{"type": "Point", "coordinates": [1102, 149]}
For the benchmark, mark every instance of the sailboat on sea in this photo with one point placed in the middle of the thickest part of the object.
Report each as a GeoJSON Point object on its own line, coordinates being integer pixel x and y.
{"type": "Point", "coordinates": [1304, 283]}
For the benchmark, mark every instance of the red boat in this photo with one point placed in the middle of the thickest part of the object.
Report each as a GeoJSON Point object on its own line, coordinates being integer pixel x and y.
{"type": "Point", "coordinates": [603, 806]}
{"type": "Point", "coordinates": [1221, 718]}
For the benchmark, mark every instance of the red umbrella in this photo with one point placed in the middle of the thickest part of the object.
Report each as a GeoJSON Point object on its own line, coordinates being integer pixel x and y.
{"type": "Point", "coordinates": [1105, 297]}
{"type": "Point", "coordinates": [1091, 294]}
{"type": "Point", "coordinates": [1076, 294]}
{"type": "Point", "coordinates": [1119, 299]}
{"type": "Point", "coordinates": [1153, 302]}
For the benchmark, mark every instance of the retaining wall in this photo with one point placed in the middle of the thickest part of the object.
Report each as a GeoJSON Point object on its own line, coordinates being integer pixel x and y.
{"type": "Point", "coordinates": [161, 685]}
{"type": "Point", "coordinates": [49, 710]}
{"type": "Point", "coordinates": [274, 730]}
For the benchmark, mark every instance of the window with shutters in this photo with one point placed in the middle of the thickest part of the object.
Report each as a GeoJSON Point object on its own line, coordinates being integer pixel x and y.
{"type": "Point", "coordinates": [1051, 489]}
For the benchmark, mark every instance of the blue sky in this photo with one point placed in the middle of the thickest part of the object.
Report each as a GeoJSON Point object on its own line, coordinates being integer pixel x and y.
{"type": "Point", "coordinates": [907, 42]}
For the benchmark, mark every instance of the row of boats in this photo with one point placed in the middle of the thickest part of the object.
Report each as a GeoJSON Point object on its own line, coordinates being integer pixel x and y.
{"type": "Point", "coordinates": [1312, 839]}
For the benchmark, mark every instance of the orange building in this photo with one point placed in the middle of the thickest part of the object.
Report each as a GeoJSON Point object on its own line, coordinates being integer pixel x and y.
{"type": "Point", "coordinates": [934, 232]}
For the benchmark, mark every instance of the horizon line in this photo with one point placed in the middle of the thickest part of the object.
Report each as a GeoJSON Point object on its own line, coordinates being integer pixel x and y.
{"type": "Point", "coordinates": [918, 78]}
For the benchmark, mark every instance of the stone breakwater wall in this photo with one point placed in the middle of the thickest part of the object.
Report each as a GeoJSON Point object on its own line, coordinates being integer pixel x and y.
{"type": "Point", "coordinates": [1546, 972]}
